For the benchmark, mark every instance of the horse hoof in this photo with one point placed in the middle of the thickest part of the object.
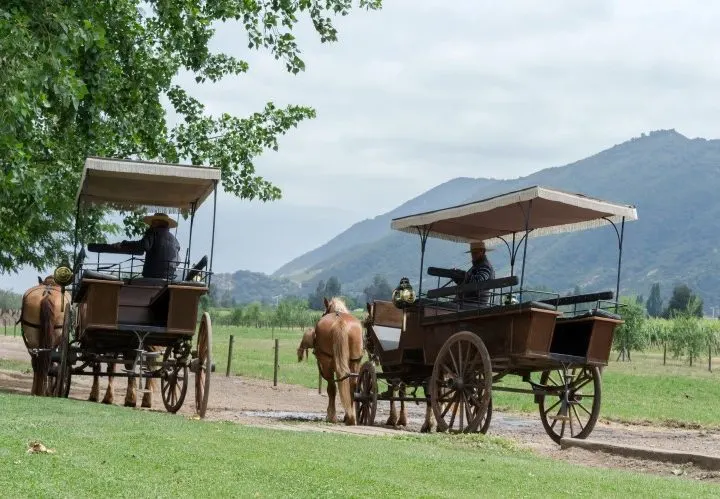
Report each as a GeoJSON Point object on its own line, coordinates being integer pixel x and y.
{"type": "Point", "coordinates": [130, 404]}
{"type": "Point", "coordinates": [106, 401]}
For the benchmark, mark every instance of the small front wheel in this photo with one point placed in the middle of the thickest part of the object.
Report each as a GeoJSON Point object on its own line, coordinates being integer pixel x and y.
{"type": "Point", "coordinates": [366, 395]}
{"type": "Point", "coordinates": [461, 385]}
{"type": "Point", "coordinates": [574, 405]}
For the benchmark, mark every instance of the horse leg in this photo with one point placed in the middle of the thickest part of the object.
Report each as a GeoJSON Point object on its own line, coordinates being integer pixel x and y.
{"type": "Point", "coordinates": [109, 397]}
{"type": "Point", "coordinates": [392, 420]}
{"type": "Point", "coordinates": [95, 390]}
{"type": "Point", "coordinates": [346, 400]}
{"type": "Point", "coordinates": [36, 375]}
{"type": "Point", "coordinates": [429, 423]}
{"type": "Point", "coordinates": [327, 374]}
{"type": "Point", "coordinates": [402, 421]}
{"type": "Point", "coordinates": [151, 386]}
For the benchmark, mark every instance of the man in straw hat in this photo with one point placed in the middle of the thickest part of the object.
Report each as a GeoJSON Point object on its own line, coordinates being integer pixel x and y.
{"type": "Point", "coordinates": [160, 246]}
{"type": "Point", "coordinates": [481, 270]}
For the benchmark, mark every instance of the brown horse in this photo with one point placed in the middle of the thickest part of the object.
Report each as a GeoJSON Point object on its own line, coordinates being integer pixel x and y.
{"type": "Point", "coordinates": [338, 347]}
{"type": "Point", "coordinates": [306, 343]}
{"type": "Point", "coordinates": [41, 324]}
{"type": "Point", "coordinates": [131, 393]}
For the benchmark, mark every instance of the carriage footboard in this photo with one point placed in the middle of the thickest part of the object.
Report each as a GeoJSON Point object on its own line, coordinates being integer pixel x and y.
{"type": "Point", "coordinates": [588, 336]}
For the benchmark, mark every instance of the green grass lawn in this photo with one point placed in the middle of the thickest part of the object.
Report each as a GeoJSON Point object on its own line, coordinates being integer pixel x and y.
{"type": "Point", "coordinates": [643, 390]}
{"type": "Point", "coordinates": [103, 451]}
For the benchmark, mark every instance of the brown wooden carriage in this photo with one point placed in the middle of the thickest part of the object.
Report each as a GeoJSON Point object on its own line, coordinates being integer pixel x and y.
{"type": "Point", "coordinates": [457, 350]}
{"type": "Point", "coordinates": [117, 316]}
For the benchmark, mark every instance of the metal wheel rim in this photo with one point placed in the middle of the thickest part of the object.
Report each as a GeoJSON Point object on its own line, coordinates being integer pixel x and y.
{"type": "Point", "coordinates": [170, 382]}
{"type": "Point", "coordinates": [366, 408]}
{"type": "Point", "coordinates": [204, 356]}
{"type": "Point", "coordinates": [464, 353]}
{"type": "Point", "coordinates": [587, 387]}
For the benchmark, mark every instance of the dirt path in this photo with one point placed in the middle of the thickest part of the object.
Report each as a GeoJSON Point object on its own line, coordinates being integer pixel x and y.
{"type": "Point", "coordinates": [257, 402]}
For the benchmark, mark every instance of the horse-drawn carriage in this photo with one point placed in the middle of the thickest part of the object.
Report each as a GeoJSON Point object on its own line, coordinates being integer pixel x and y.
{"type": "Point", "coordinates": [457, 350]}
{"type": "Point", "coordinates": [117, 316]}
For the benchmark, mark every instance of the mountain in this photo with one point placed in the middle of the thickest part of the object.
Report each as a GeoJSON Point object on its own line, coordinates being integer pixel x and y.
{"type": "Point", "coordinates": [245, 286]}
{"type": "Point", "coordinates": [671, 179]}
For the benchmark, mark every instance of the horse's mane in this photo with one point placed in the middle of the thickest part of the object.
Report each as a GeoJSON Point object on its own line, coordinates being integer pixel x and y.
{"type": "Point", "coordinates": [336, 304]}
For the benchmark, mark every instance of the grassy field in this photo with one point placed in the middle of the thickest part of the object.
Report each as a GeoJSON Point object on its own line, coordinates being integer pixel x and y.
{"type": "Point", "coordinates": [639, 391]}
{"type": "Point", "coordinates": [102, 451]}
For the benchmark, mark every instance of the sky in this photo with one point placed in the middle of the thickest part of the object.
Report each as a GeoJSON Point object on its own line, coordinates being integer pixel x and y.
{"type": "Point", "coordinates": [422, 91]}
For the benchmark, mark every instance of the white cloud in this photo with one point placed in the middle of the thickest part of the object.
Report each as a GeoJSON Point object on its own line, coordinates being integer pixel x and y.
{"type": "Point", "coordinates": [425, 91]}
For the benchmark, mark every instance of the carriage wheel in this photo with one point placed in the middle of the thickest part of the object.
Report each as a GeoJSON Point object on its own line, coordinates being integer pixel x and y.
{"type": "Point", "coordinates": [61, 386]}
{"type": "Point", "coordinates": [461, 385]}
{"type": "Point", "coordinates": [203, 363]}
{"type": "Point", "coordinates": [577, 405]}
{"type": "Point", "coordinates": [174, 384]}
{"type": "Point", "coordinates": [366, 395]}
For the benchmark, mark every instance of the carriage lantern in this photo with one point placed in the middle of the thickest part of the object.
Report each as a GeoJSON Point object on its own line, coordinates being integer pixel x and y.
{"type": "Point", "coordinates": [403, 295]}
{"type": "Point", "coordinates": [63, 276]}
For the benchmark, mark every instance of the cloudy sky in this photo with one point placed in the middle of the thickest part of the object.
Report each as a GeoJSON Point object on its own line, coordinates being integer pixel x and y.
{"type": "Point", "coordinates": [424, 91]}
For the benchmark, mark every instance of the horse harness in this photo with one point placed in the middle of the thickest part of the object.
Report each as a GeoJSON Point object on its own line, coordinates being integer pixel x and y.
{"type": "Point", "coordinates": [34, 351]}
{"type": "Point", "coordinates": [317, 350]}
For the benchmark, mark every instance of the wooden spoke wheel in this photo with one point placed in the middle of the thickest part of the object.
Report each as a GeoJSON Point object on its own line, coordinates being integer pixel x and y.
{"type": "Point", "coordinates": [461, 385]}
{"type": "Point", "coordinates": [573, 408]}
{"type": "Point", "coordinates": [61, 384]}
{"type": "Point", "coordinates": [174, 383]}
{"type": "Point", "coordinates": [366, 395]}
{"type": "Point", "coordinates": [203, 364]}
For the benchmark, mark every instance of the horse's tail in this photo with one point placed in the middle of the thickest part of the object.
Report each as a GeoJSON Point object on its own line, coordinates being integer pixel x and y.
{"type": "Point", "coordinates": [47, 327]}
{"type": "Point", "coordinates": [341, 347]}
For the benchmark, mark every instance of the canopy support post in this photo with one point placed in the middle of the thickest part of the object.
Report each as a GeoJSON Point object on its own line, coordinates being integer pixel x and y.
{"type": "Point", "coordinates": [620, 235]}
{"type": "Point", "coordinates": [424, 232]}
{"type": "Point", "coordinates": [192, 221]}
{"type": "Point", "coordinates": [527, 227]}
{"type": "Point", "coordinates": [212, 241]}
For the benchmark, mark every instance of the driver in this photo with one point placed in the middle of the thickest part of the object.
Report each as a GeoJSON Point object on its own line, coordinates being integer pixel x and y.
{"type": "Point", "coordinates": [160, 246]}
{"type": "Point", "coordinates": [481, 270]}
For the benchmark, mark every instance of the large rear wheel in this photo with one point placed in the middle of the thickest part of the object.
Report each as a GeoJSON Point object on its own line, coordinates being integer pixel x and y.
{"type": "Point", "coordinates": [461, 385]}
{"type": "Point", "coordinates": [202, 365]}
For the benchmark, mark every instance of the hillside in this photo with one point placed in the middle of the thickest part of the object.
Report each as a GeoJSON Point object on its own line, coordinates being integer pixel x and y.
{"type": "Point", "coordinates": [671, 179]}
{"type": "Point", "coordinates": [244, 286]}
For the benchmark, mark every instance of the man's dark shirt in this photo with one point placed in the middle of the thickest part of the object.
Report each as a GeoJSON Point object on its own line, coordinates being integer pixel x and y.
{"type": "Point", "coordinates": [481, 270]}
{"type": "Point", "coordinates": [161, 252]}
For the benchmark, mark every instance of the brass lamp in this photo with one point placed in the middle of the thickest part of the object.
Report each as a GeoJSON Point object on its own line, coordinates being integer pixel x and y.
{"type": "Point", "coordinates": [404, 295]}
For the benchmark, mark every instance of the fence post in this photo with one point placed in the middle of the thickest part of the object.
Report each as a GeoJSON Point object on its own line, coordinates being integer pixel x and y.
{"type": "Point", "coordinates": [319, 382]}
{"type": "Point", "coordinates": [227, 372]}
{"type": "Point", "coordinates": [275, 373]}
{"type": "Point", "coordinates": [710, 358]}
{"type": "Point", "coordinates": [664, 351]}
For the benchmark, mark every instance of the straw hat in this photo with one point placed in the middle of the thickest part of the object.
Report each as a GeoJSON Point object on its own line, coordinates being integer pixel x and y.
{"type": "Point", "coordinates": [478, 245]}
{"type": "Point", "coordinates": [160, 216]}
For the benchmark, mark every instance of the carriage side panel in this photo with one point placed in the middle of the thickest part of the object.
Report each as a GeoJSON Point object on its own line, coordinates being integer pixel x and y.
{"type": "Point", "coordinates": [99, 304]}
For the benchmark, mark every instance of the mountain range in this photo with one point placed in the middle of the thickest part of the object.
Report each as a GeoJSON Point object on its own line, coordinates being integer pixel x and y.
{"type": "Point", "coordinates": [671, 179]}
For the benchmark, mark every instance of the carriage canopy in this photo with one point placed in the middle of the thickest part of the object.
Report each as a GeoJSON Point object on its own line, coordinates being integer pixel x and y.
{"type": "Point", "coordinates": [540, 210]}
{"type": "Point", "coordinates": [125, 183]}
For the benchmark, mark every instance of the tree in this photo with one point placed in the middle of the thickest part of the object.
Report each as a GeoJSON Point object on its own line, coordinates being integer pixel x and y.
{"type": "Point", "coordinates": [378, 290]}
{"type": "Point", "coordinates": [632, 335]}
{"type": "Point", "coordinates": [89, 78]}
{"type": "Point", "coordinates": [332, 288]}
{"type": "Point", "coordinates": [654, 302]}
{"type": "Point", "coordinates": [315, 300]}
{"type": "Point", "coordinates": [683, 300]}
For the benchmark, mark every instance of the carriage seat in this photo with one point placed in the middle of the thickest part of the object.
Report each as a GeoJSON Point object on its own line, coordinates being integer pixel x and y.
{"type": "Point", "coordinates": [101, 276]}
{"type": "Point", "coordinates": [597, 312]}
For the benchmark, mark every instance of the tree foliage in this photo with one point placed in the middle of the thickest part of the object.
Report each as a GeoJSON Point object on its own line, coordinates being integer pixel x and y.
{"type": "Point", "coordinates": [682, 301]}
{"type": "Point", "coordinates": [378, 290]}
{"type": "Point", "coordinates": [631, 335]}
{"type": "Point", "coordinates": [87, 78]}
{"type": "Point", "coordinates": [654, 301]}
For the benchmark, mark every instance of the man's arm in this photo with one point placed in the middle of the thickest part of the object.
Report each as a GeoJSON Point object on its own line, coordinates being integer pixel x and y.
{"type": "Point", "coordinates": [143, 244]}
